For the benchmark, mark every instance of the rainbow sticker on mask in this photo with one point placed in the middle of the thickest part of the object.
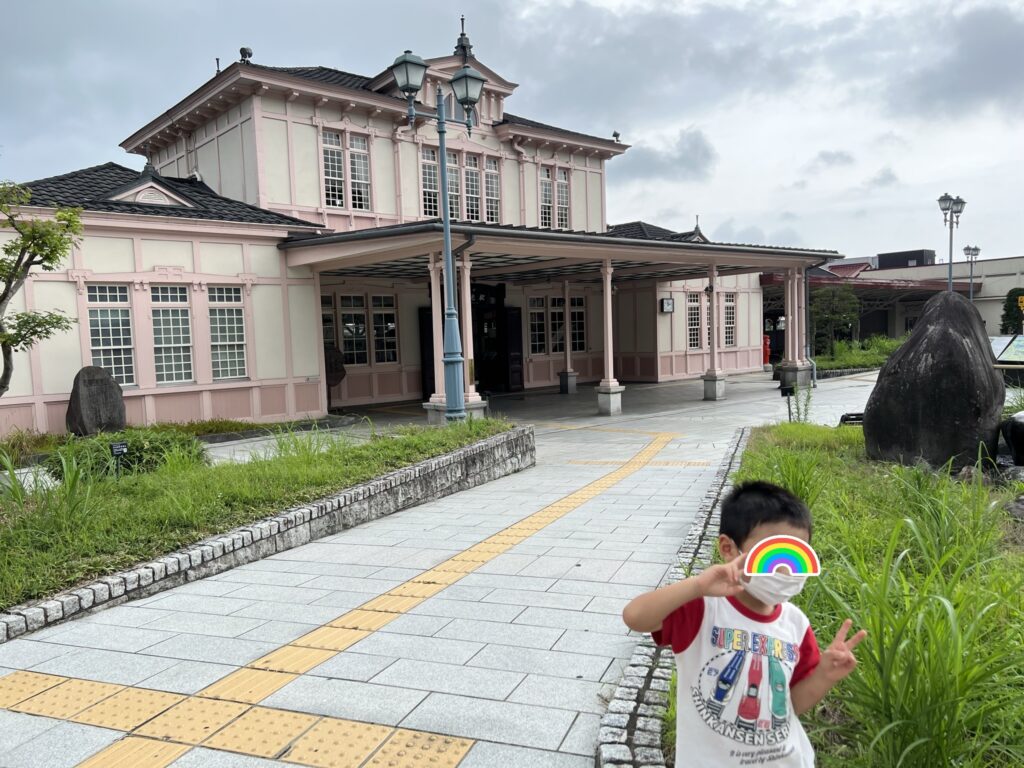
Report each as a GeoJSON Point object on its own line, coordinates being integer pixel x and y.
{"type": "Point", "coordinates": [776, 552]}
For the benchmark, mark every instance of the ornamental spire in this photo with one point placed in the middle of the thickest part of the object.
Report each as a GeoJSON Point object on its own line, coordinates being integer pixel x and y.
{"type": "Point", "coordinates": [463, 47]}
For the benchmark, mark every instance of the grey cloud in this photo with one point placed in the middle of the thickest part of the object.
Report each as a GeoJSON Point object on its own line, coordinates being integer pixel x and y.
{"type": "Point", "coordinates": [727, 232]}
{"type": "Point", "coordinates": [829, 158]}
{"type": "Point", "coordinates": [788, 216]}
{"type": "Point", "coordinates": [785, 236]}
{"type": "Point", "coordinates": [885, 177]}
{"type": "Point", "coordinates": [690, 157]}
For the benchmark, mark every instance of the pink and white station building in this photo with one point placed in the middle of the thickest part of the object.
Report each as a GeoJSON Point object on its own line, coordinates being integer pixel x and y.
{"type": "Point", "coordinates": [287, 225]}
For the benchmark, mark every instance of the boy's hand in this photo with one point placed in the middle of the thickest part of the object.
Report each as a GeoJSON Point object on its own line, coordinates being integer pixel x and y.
{"type": "Point", "coordinates": [838, 661]}
{"type": "Point", "coordinates": [722, 580]}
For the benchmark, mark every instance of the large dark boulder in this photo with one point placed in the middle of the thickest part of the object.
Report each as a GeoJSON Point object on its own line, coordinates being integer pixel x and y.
{"type": "Point", "coordinates": [938, 397]}
{"type": "Point", "coordinates": [96, 405]}
{"type": "Point", "coordinates": [1013, 434]}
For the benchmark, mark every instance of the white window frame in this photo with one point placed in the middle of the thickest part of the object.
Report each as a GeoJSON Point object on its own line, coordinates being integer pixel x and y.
{"type": "Point", "coordinates": [562, 194]}
{"type": "Point", "coordinates": [334, 168]}
{"type": "Point", "coordinates": [556, 322]}
{"type": "Point", "coordinates": [353, 304]}
{"type": "Point", "coordinates": [729, 312]}
{"type": "Point", "coordinates": [179, 313]}
{"type": "Point", "coordinates": [384, 346]}
{"type": "Point", "coordinates": [693, 321]}
{"type": "Point", "coordinates": [537, 334]}
{"type": "Point", "coordinates": [111, 302]}
{"type": "Point", "coordinates": [226, 301]}
{"type": "Point", "coordinates": [345, 153]}
{"type": "Point", "coordinates": [472, 184]}
{"type": "Point", "coordinates": [492, 183]}
{"type": "Point", "coordinates": [328, 319]}
{"type": "Point", "coordinates": [430, 182]}
{"type": "Point", "coordinates": [546, 197]}
{"type": "Point", "coordinates": [454, 186]}
{"type": "Point", "coordinates": [359, 172]}
{"type": "Point", "coordinates": [577, 324]}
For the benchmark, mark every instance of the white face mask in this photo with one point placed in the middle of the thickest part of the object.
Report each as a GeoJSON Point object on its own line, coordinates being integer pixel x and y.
{"type": "Point", "coordinates": [774, 588]}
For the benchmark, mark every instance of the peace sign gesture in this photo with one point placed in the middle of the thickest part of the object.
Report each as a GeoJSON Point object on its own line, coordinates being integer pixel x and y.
{"type": "Point", "coordinates": [838, 661]}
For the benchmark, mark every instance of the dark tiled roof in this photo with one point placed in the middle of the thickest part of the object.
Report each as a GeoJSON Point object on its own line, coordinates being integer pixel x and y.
{"type": "Point", "coordinates": [324, 75]}
{"type": "Point", "coordinates": [638, 229]}
{"type": "Point", "coordinates": [89, 189]}
{"type": "Point", "coordinates": [510, 119]}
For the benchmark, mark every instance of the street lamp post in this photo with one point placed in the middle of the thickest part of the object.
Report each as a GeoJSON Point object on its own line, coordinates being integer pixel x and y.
{"type": "Point", "coordinates": [951, 208]}
{"type": "Point", "coordinates": [971, 252]}
{"type": "Point", "coordinates": [467, 85]}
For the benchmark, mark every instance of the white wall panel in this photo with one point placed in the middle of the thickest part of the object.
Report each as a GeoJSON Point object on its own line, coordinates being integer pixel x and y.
{"type": "Point", "coordinates": [167, 253]}
{"type": "Point", "coordinates": [275, 160]}
{"type": "Point", "coordinates": [60, 355]}
{"type": "Point", "coordinates": [268, 316]}
{"type": "Point", "coordinates": [107, 254]}
{"type": "Point", "coordinates": [307, 165]}
{"type": "Point", "coordinates": [304, 314]}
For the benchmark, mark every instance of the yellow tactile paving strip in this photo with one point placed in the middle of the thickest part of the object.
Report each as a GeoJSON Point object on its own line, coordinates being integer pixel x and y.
{"type": "Point", "coordinates": [612, 463]}
{"type": "Point", "coordinates": [163, 726]}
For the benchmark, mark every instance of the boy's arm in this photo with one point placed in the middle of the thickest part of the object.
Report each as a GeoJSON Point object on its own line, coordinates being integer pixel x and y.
{"type": "Point", "coordinates": [647, 612]}
{"type": "Point", "coordinates": [837, 661]}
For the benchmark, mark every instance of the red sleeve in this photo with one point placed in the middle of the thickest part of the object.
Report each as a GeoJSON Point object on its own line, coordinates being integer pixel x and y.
{"type": "Point", "coordinates": [681, 626]}
{"type": "Point", "coordinates": [809, 657]}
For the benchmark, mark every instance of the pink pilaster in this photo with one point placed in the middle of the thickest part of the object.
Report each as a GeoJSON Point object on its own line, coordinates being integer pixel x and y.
{"type": "Point", "coordinates": [466, 321]}
{"type": "Point", "coordinates": [436, 324]}
{"type": "Point", "coordinates": [714, 363]}
{"type": "Point", "coordinates": [609, 365]}
{"type": "Point", "coordinates": [567, 327]}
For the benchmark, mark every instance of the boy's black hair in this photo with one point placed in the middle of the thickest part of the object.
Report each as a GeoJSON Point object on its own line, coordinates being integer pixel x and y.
{"type": "Point", "coordinates": [752, 503]}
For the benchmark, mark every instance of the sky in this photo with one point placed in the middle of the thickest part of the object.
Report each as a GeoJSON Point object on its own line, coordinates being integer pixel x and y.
{"type": "Point", "coordinates": [812, 123]}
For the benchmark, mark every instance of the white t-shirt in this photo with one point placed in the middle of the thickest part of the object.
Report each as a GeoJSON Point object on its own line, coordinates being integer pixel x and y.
{"type": "Point", "coordinates": [735, 669]}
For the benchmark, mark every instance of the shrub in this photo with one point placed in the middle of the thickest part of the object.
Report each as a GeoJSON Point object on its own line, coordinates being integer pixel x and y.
{"type": "Point", "coordinates": [869, 353]}
{"type": "Point", "coordinates": [148, 449]}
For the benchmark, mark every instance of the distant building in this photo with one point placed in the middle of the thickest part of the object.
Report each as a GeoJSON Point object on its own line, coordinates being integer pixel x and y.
{"type": "Point", "coordinates": [897, 259]}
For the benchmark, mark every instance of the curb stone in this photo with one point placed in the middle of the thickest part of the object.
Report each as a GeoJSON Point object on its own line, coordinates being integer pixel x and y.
{"type": "Point", "coordinates": [629, 736]}
{"type": "Point", "coordinates": [467, 467]}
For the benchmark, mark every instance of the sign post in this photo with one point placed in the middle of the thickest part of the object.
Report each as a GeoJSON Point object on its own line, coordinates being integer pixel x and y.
{"type": "Point", "coordinates": [117, 450]}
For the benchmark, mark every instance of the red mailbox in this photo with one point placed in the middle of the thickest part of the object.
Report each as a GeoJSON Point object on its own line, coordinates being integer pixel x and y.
{"type": "Point", "coordinates": [767, 347]}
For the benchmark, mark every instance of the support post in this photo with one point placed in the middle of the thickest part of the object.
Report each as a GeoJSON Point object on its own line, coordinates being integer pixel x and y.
{"type": "Point", "coordinates": [466, 315]}
{"type": "Point", "coordinates": [567, 377]}
{"type": "Point", "coordinates": [714, 377]}
{"type": "Point", "coordinates": [435, 403]}
{"type": "Point", "coordinates": [795, 370]}
{"type": "Point", "coordinates": [609, 392]}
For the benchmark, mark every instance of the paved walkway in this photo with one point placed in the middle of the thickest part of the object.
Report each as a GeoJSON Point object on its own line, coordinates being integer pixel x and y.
{"type": "Point", "coordinates": [482, 629]}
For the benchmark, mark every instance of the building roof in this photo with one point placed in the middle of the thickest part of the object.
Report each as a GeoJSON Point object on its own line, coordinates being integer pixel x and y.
{"type": "Point", "coordinates": [92, 189]}
{"type": "Point", "coordinates": [510, 119]}
{"type": "Point", "coordinates": [638, 229]}
{"type": "Point", "coordinates": [325, 75]}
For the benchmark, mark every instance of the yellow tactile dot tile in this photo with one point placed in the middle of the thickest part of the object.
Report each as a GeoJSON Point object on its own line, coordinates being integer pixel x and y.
{"type": "Point", "coordinates": [458, 566]}
{"type": "Point", "coordinates": [362, 619]}
{"type": "Point", "coordinates": [67, 699]}
{"type": "Point", "coordinates": [391, 603]}
{"type": "Point", "coordinates": [417, 589]}
{"type": "Point", "coordinates": [334, 743]}
{"type": "Point", "coordinates": [331, 638]}
{"type": "Point", "coordinates": [18, 686]}
{"type": "Point", "coordinates": [292, 658]}
{"type": "Point", "coordinates": [506, 538]}
{"type": "Point", "coordinates": [128, 709]}
{"type": "Point", "coordinates": [249, 686]}
{"type": "Point", "coordinates": [414, 749]}
{"type": "Point", "coordinates": [136, 753]}
{"type": "Point", "coordinates": [261, 732]}
{"type": "Point", "coordinates": [438, 577]}
{"type": "Point", "coordinates": [193, 720]}
{"type": "Point", "coordinates": [490, 547]}
{"type": "Point", "coordinates": [473, 557]}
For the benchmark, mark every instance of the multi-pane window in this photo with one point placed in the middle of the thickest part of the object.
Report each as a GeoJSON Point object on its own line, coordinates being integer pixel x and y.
{"type": "Point", "coordinates": [352, 313]}
{"type": "Point", "coordinates": [327, 322]}
{"type": "Point", "coordinates": [472, 187]}
{"type": "Point", "coordinates": [557, 321]}
{"type": "Point", "coordinates": [110, 331]}
{"type": "Point", "coordinates": [227, 332]}
{"type": "Point", "coordinates": [693, 320]}
{"type": "Point", "coordinates": [562, 198]}
{"type": "Point", "coordinates": [454, 187]}
{"type": "Point", "coordinates": [334, 170]}
{"type": "Point", "coordinates": [578, 324]}
{"type": "Point", "coordinates": [429, 178]}
{"type": "Point", "coordinates": [546, 197]}
{"type": "Point", "coordinates": [385, 329]}
{"type": "Point", "coordinates": [492, 191]}
{"type": "Point", "coordinates": [538, 325]}
{"type": "Point", "coordinates": [730, 319]}
{"type": "Point", "coordinates": [172, 334]}
{"type": "Point", "coordinates": [359, 163]}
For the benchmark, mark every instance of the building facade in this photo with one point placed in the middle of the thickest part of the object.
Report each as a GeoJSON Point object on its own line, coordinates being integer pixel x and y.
{"type": "Point", "coordinates": [286, 229]}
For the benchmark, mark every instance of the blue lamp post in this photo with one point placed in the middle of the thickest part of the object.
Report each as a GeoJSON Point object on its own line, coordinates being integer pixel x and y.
{"type": "Point", "coordinates": [951, 208]}
{"type": "Point", "coordinates": [467, 85]}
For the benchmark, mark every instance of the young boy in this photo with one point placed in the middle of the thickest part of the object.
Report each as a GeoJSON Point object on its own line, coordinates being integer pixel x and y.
{"type": "Point", "coordinates": [748, 663]}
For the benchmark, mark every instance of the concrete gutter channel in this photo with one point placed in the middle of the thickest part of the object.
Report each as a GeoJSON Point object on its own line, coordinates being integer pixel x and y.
{"type": "Point", "coordinates": [434, 478]}
{"type": "Point", "coordinates": [630, 732]}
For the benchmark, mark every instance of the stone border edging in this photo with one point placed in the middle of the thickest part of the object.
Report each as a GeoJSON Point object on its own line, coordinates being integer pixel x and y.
{"type": "Point", "coordinates": [836, 373]}
{"type": "Point", "coordinates": [630, 732]}
{"type": "Point", "coordinates": [464, 468]}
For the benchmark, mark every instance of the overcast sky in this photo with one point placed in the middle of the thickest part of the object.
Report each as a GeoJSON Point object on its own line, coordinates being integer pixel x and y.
{"type": "Point", "coordinates": [815, 123]}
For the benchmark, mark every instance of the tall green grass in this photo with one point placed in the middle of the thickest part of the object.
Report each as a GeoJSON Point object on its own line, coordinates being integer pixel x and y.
{"type": "Point", "coordinates": [921, 562]}
{"type": "Point", "coordinates": [868, 353]}
{"type": "Point", "coordinates": [54, 536]}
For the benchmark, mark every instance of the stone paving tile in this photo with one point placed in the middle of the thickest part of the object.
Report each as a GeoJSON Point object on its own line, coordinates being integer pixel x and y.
{"type": "Point", "coordinates": [507, 634]}
{"type": "Point", "coordinates": [245, 575]}
{"type": "Point", "coordinates": [496, 581]}
{"type": "Point", "coordinates": [80, 635]}
{"type": "Point", "coordinates": [304, 614]}
{"type": "Point", "coordinates": [199, 757]}
{"type": "Point", "coordinates": [506, 564]}
{"type": "Point", "coordinates": [121, 616]}
{"type": "Point", "coordinates": [175, 601]}
{"type": "Point", "coordinates": [486, 754]}
{"type": "Point", "coordinates": [465, 609]}
{"type": "Point", "coordinates": [551, 663]}
{"type": "Point", "coordinates": [368, 703]}
{"type": "Point", "coordinates": [105, 666]}
{"type": "Point", "coordinates": [17, 728]}
{"type": "Point", "coordinates": [613, 605]}
{"type": "Point", "coordinates": [527, 597]}
{"type": "Point", "coordinates": [63, 746]}
{"type": "Point", "coordinates": [187, 677]}
{"type": "Point", "coordinates": [328, 584]}
{"type": "Point", "coordinates": [582, 737]}
{"type": "Point", "coordinates": [268, 593]}
{"type": "Point", "coordinates": [353, 666]}
{"type": "Point", "coordinates": [204, 624]}
{"type": "Point", "coordinates": [462, 591]}
{"type": "Point", "coordinates": [217, 650]}
{"type": "Point", "coordinates": [561, 692]}
{"type": "Point", "coordinates": [416, 624]}
{"type": "Point", "coordinates": [597, 589]}
{"type": "Point", "coordinates": [207, 587]}
{"type": "Point", "coordinates": [277, 632]}
{"type": "Point", "coordinates": [422, 648]}
{"type": "Point", "coordinates": [597, 643]}
{"type": "Point", "coordinates": [22, 654]}
{"type": "Point", "coordinates": [588, 622]}
{"type": "Point", "coordinates": [450, 678]}
{"type": "Point", "coordinates": [500, 721]}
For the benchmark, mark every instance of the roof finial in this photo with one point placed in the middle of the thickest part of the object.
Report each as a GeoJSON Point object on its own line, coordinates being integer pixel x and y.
{"type": "Point", "coordinates": [462, 46]}
{"type": "Point", "coordinates": [696, 226]}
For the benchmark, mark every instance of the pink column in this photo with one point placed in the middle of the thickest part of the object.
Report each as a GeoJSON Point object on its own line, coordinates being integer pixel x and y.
{"type": "Point", "coordinates": [714, 364]}
{"type": "Point", "coordinates": [801, 325]}
{"type": "Point", "coordinates": [567, 327]}
{"type": "Point", "coordinates": [436, 319]}
{"type": "Point", "coordinates": [790, 356]}
{"type": "Point", "coordinates": [609, 367]}
{"type": "Point", "coordinates": [466, 320]}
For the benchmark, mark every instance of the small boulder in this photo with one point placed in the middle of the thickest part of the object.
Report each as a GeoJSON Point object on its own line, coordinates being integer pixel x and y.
{"type": "Point", "coordinates": [96, 404]}
{"type": "Point", "coordinates": [1013, 434]}
{"type": "Point", "coordinates": [938, 398]}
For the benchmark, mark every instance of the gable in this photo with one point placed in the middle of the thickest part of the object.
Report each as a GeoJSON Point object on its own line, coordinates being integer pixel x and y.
{"type": "Point", "coordinates": [149, 193]}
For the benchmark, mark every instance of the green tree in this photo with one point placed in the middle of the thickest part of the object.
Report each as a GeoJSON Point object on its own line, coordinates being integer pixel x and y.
{"type": "Point", "coordinates": [834, 309]}
{"type": "Point", "coordinates": [1012, 315]}
{"type": "Point", "coordinates": [42, 243]}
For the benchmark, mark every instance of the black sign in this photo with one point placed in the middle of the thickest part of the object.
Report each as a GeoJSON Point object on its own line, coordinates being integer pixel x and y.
{"type": "Point", "coordinates": [118, 449]}
{"type": "Point", "coordinates": [787, 391]}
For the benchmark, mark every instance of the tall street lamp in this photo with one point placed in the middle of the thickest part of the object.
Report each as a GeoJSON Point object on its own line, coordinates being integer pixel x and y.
{"type": "Point", "coordinates": [971, 252]}
{"type": "Point", "coordinates": [467, 85]}
{"type": "Point", "coordinates": [951, 208]}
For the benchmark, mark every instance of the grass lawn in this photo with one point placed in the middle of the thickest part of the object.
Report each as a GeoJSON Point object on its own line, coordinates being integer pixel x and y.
{"type": "Point", "coordinates": [934, 570]}
{"type": "Point", "coordinates": [54, 538]}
